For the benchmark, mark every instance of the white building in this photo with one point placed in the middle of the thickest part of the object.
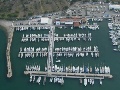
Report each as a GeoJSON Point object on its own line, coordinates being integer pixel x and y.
{"type": "Point", "coordinates": [44, 20]}
{"type": "Point", "coordinates": [68, 22]}
{"type": "Point", "coordinates": [117, 7]}
{"type": "Point", "coordinates": [57, 22]}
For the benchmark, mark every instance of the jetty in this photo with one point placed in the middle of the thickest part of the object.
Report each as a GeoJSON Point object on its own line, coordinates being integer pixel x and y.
{"type": "Point", "coordinates": [9, 30]}
{"type": "Point", "coordinates": [9, 74]}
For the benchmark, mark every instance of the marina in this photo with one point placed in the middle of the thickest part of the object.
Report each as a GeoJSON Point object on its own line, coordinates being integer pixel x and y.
{"type": "Point", "coordinates": [58, 72]}
{"type": "Point", "coordinates": [75, 54]}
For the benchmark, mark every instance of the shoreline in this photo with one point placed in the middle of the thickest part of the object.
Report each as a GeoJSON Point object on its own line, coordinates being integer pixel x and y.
{"type": "Point", "coordinates": [4, 30]}
{"type": "Point", "coordinates": [5, 25]}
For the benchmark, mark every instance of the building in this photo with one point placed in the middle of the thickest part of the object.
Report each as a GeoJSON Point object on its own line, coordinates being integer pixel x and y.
{"type": "Point", "coordinates": [76, 24]}
{"type": "Point", "coordinates": [44, 20]}
{"type": "Point", "coordinates": [73, 21]}
{"type": "Point", "coordinates": [115, 7]}
{"type": "Point", "coordinates": [57, 23]}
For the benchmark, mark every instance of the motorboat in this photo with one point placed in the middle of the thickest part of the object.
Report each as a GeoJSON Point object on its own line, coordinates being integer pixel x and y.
{"type": "Point", "coordinates": [92, 81]}
{"type": "Point", "coordinates": [51, 79]}
{"type": "Point", "coordinates": [85, 82]}
{"type": "Point", "coordinates": [38, 80]}
{"type": "Point", "coordinates": [115, 49]}
{"type": "Point", "coordinates": [100, 82]}
{"type": "Point", "coordinates": [31, 78]}
{"type": "Point", "coordinates": [58, 61]}
{"type": "Point", "coordinates": [80, 80]}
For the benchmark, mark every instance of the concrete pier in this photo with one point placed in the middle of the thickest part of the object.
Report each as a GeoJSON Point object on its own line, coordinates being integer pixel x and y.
{"type": "Point", "coordinates": [50, 49]}
{"type": "Point", "coordinates": [79, 77]}
{"type": "Point", "coordinates": [68, 75]}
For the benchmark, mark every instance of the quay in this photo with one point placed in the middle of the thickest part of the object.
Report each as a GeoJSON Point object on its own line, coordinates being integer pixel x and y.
{"type": "Point", "coordinates": [68, 75]}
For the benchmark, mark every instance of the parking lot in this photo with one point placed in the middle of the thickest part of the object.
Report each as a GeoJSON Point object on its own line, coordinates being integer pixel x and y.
{"type": "Point", "coordinates": [98, 9]}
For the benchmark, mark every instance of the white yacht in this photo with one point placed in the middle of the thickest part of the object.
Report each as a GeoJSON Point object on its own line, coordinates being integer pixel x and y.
{"type": "Point", "coordinates": [60, 80]}
{"type": "Point", "coordinates": [33, 78]}
{"type": "Point", "coordinates": [92, 81]}
{"type": "Point", "coordinates": [88, 80]}
{"type": "Point", "coordinates": [58, 61]}
{"type": "Point", "coordinates": [71, 27]}
{"type": "Point", "coordinates": [30, 78]}
{"type": "Point", "coordinates": [115, 49]}
{"type": "Point", "coordinates": [27, 68]}
{"type": "Point", "coordinates": [38, 80]}
{"type": "Point", "coordinates": [100, 82]}
{"type": "Point", "coordinates": [51, 79]}
{"type": "Point", "coordinates": [85, 82]}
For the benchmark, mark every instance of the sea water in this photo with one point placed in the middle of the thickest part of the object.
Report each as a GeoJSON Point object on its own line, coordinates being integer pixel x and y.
{"type": "Point", "coordinates": [20, 81]}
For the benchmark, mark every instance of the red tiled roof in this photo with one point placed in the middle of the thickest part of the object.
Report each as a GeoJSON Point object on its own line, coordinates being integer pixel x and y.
{"type": "Point", "coordinates": [76, 24]}
{"type": "Point", "coordinates": [74, 19]}
{"type": "Point", "coordinates": [70, 19]}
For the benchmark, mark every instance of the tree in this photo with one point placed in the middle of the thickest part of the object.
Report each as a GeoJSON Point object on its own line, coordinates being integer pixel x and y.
{"type": "Point", "coordinates": [30, 14]}
{"type": "Point", "coordinates": [12, 15]}
{"type": "Point", "coordinates": [2, 15]}
{"type": "Point", "coordinates": [107, 1]}
{"type": "Point", "coordinates": [65, 7]}
{"type": "Point", "coordinates": [95, 0]}
{"type": "Point", "coordinates": [16, 11]}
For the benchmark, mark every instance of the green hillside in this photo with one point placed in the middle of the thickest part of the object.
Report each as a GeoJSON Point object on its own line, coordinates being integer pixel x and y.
{"type": "Point", "coordinates": [11, 9]}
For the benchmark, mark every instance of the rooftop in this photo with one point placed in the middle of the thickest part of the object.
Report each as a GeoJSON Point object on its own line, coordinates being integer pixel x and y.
{"type": "Point", "coordinates": [76, 24]}
{"type": "Point", "coordinates": [75, 19]}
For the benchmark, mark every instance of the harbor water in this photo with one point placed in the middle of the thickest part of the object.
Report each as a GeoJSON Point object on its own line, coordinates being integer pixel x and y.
{"type": "Point", "coordinates": [20, 81]}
